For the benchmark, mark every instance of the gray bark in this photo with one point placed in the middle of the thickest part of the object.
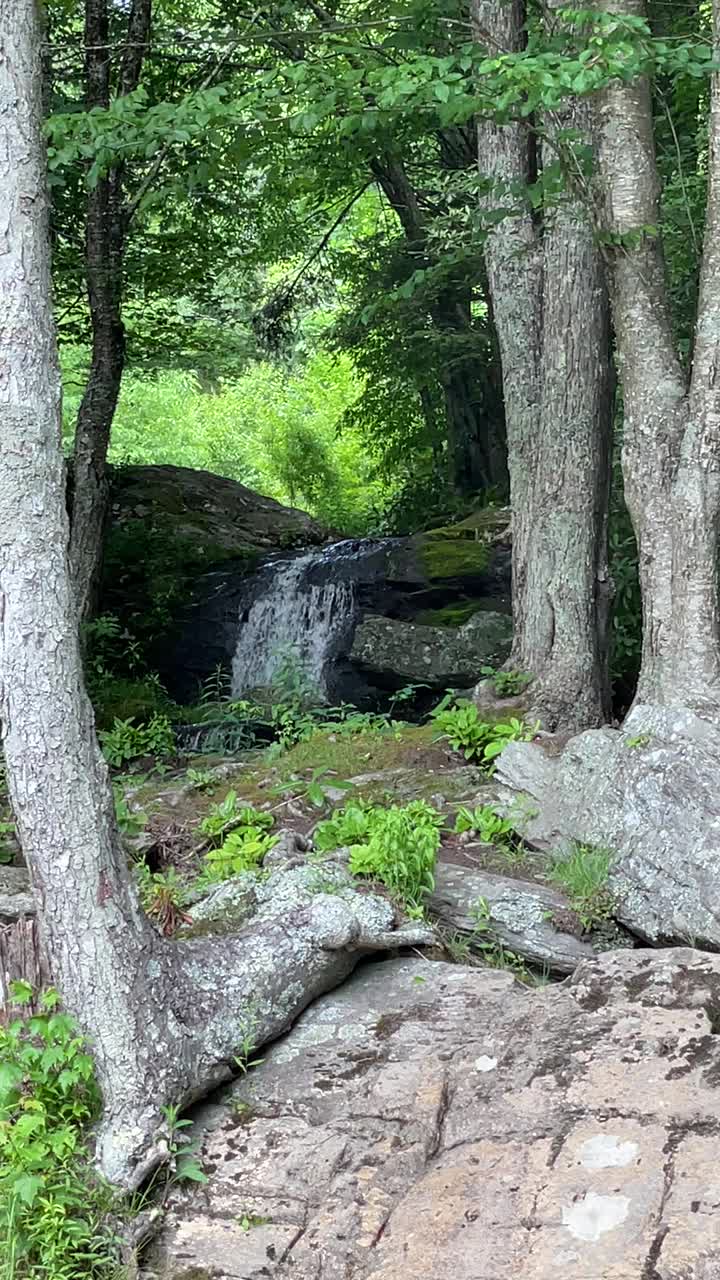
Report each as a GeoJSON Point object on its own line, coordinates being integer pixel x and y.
{"type": "Point", "coordinates": [550, 307]}
{"type": "Point", "coordinates": [671, 449]}
{"type": "Point", "coordinates": [165, 1020]}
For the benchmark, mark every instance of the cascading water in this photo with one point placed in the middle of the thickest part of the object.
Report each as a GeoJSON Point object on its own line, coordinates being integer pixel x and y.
{"type": "Point", "coordinates": [304, 607]}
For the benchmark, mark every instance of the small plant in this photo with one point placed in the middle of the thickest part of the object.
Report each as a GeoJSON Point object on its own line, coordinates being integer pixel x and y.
{"type": "Point", "coordinates": [404, 695]}
{"type": "Point", "coordinates": [347, 826]}
{"type": "Point", "coordinates": [229, 813]}
{"type": "Point", "coordinates": [129, 741]}
{"type": "Point", "coordinates": [250, 1220]}
{"type": "Point", "coordinates": [52, 1209]}
{"type": "Point", "coordinates": [486, 824]}
{"type": "Point", "coordinates": [200, 779]}
{"type": "Point", "coordinates": [215, 687]}
{"type": "Point", "coordinates": [130, 821]}
{"type": "Point", "coordinates": [507, 684]}
{"type": "Point", "coordinates": [461, 724]}
{"type": "Point", "coordinates": [184, 1163]}
{"type": "Point", "coordinates": [242, 850]}
{"type": "Point", "coordinates": [315, 789]}
{"type": "Point", "coordinates": [397, 846]}
{"type": "Point", "coordinates": [247, 1043]}
{"type": "Point", "coordinates": [582, 873]}
{"type": "Point", "coordinates": [163, 896]}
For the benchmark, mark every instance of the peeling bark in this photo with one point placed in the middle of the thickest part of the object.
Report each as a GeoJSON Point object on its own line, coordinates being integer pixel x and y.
{"type": "Point", "coordinates": [550, 306]}
{"type": "Point", "coordinates": [671, 448]}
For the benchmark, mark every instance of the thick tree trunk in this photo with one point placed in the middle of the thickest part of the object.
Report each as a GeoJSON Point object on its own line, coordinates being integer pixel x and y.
{"type": "Point", "coordinates": [165, 1020]}
{"type": "Point", "coordinates": [546, 282]}
{"type": "Point", "coordinates": [671, 447]}
{"type": "Point", "coordinates": [105, 237]}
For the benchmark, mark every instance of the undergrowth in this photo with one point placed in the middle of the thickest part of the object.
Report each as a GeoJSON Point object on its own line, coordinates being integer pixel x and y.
{"type": "Point", "coordinates": [479, 740]}
{"type": "Point", "coordinates": [53, 1210]}
{"type": "Point", "coordinates": [397, 846]}
{"type": "Point", "coordinates": [582, 873]}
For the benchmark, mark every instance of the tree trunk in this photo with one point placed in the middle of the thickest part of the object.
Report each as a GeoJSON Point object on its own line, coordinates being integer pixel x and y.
{"type": "Point", "coordinates": [105, 237]}
{"type": "Point", "coordinates": [546, 282]}
{"type": "Point", "coordinates": [473, 414]}
{"type": "Point", "coordinates": [671, 444]}
{"type": "Point", "coordinates": [475, 421]}
{"type": "Point", "coordinates": [165, 1020]}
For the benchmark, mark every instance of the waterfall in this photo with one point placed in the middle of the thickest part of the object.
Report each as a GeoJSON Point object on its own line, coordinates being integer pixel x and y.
{"type": "Point", "coordinates": [304, 608]}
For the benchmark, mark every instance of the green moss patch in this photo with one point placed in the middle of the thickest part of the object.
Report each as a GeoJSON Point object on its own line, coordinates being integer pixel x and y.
{"type": "Point", "coordinates": [451, 615]}
{"type": "Point", "coordinates": [453, 551]}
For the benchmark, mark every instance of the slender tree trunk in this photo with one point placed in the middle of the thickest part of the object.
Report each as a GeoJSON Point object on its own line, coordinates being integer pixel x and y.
{"type": "Point", "coordinates": [105, 238]}
{"type": "Point", "coordinates": [475, 420]}
{"type": "Point", "coordinates": [547, 289]}
{"type": "Point", "coordinates": [473, 414]}
{"type": "Point", "coordinates": [671, 443]}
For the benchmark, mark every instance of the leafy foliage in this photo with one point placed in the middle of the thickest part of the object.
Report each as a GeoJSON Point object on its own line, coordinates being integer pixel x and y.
{"type": "Point", "coordinates": [397, 846]}
{"type": "Point", "coordinates": [478, 740]}
{"type": "Point", "coordinates": [52, 1210]}
{"type": "Point", "coordinates": [240, 838]}
{"type": "Point", "coordinates": [129, 741]}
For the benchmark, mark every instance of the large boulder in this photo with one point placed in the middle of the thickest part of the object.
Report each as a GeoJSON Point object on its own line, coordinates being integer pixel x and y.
{"type": "Point", "coordinates": [436, 656]}
{"type": "Point", "coordinates": [649, 794]}
{"type": "Point", "coordinates": [431, 1121]}
{"type": "Point", "coordinates": [218, 517]}
{"type": "Point", "coordinates": [172, 527]}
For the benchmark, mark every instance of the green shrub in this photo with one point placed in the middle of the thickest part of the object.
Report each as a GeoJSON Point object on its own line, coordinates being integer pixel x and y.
{"type": "Point", "coordinates": [51, 1207]}
{"type": "Point", "coordinates": [397, 846]}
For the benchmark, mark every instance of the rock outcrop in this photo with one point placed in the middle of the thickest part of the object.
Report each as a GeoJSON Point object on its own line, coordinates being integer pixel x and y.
{"type": "Point", "coordinates": [16, 897]}
{"type": "Point", "coordinates": [649, 794]}
{"type": "Point", "coordinates": [430, 1121]}
{"type": "Point", "coordinates": [220, 518]}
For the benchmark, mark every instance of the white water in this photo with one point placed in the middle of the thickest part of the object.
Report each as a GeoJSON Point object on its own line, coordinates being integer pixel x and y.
{"type": "Point", "coordinates": [294, 617]}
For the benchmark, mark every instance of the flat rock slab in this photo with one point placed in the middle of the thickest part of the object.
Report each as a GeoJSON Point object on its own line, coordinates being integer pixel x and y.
{"type": "Point", "coordinates": [649, 793]}
{"type": "Point", "coordinates": [434, 1122]}
{"type": "Point", "coordinates": [532, 920]}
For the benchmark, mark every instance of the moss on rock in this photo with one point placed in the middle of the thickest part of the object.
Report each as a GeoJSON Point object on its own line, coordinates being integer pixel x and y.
{"type": "Point", "coordinates": [451, 615]}
{"type": "Point", "coordinates": [460, 557]}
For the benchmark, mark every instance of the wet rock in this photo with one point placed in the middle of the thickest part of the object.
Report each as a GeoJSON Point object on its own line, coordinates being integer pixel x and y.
{"type": "Point", "coordinates": [429, 1121]}
{"type": "Point", "coordinates": [649, 793]}
{"type": "Point", "coordinates": [531, 920]}
{"type": "Point", "coordinates": [437, 656]}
